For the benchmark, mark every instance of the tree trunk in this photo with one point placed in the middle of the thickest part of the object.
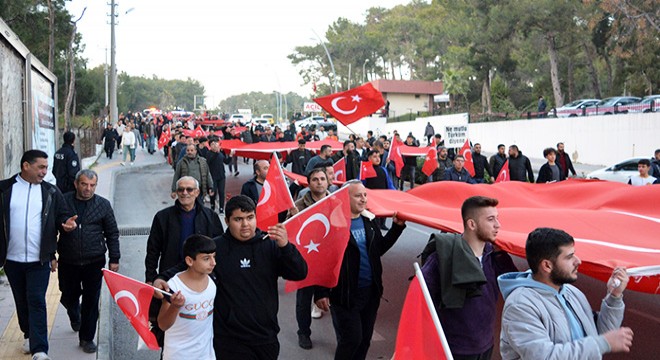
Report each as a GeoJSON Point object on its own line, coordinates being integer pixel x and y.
{"type": "Point", "coordinates": [51, 35]}
{"type": "Point", "coordinates": [72, 80]}
{"type": "Point", "coordinates": [554, 72]}
{"type": "Point", "coordinates": [571, 80]}
{"type": "Point", "coordinates": [595, 84]}
{"type": "Point", "coordinates": [610, 76]}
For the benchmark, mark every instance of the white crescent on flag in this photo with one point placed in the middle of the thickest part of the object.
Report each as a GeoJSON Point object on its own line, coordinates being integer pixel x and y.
{"type": "Point", "coordinates": [127, 294]}
{"type": "Point", "coordinates": [266, 191]}
{"type": "Point", "coordinates": [340, 110]}
{"type": "Point", "coordinates": [316, 217]}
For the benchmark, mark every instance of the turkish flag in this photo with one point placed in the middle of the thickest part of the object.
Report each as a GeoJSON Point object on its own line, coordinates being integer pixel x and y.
{"type": "Point", "coordinates": [367, 170]}
{"type": "Point", "coordinates": [275, 196]}
{"type": "Point", "coordinates": [466, 151]}
{"type": "Point", "coordinates": [420, 334]}
{"type": "Point", "coordinates": [395, 155]}
{"type": "Point", "coordinates": [165, 137]}
{"type": "Point", "coordinates": [504, 173]}
{"type": "Point", "coordinates": [431, 161]}
{"type": "Point", "coordinates": [352, 105]}
{"type": "Point", "coordinates": [340, 170]}
{"type": "Point", "coordinates": [133, 298]}
{"type": "Point", "coordinates": [199, 132]}
{"type": "Point", "coordinates": [321, 233]}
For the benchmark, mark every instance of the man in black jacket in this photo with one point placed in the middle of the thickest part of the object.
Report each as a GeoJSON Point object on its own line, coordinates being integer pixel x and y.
{"type": "Point", "coordinates": [27, 249]}
{"type": "Point", "coordinates": [299, 158]}
{"type": "Point", "coordinates": [82, 256]}
{"type": "Point", "coordinates": [352, 160]}
{"type": "Point", "coordinates": [109, 138]}
{"type": "Point", "coordinates": [497, 160]}
{"type": "Point", "coordinates": [481, 166]}
{"type": "Point", "coordinates": [171, 226]}
{"type": "Point", "coordinates": [550, 171]}
{"type": "Point", "coordinates": [520, 168]}
{"type": "Point", "coordinates": [564, 161]}
{"type": "Point", "coordinates": [216, 160]}
{"type": "Point", "coordinates": [66, 164]}
{"type": "Point", "coordinates": [409, 164]}
{"type": "Point", "coordinates": [252, 188]}
{"type": "Point", "coordinates": [249, 263]}
{"type": "Point", "coordinates": [356, 298]}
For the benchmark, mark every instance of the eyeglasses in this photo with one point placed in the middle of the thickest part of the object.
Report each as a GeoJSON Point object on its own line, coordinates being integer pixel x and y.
{"type": "Point", "coordinates": [189, 190]}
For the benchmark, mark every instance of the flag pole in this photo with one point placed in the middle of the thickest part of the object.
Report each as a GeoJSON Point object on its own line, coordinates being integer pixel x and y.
{"type": "Point", "coordinates": [434, 314]}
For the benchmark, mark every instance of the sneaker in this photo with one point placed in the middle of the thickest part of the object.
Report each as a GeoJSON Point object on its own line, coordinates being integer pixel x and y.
{"type": "Point", "coordinates": [304, 342]}
{"type": "Point", "coordinates": [40, 356]}
{"type": "Point", "coordinates": [236, 173]}
{"type": "Point", "coordinates": [88, 346]}
{"type": "Point", "coordinates": [122, 163]}
{"type": "Point", "coordinates": [316, 312]}
{"type": "Point", "coordinates": [26, 346]}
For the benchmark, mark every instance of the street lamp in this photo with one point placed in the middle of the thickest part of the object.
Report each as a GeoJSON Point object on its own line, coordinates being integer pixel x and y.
{"type": "Point", "coordinates": [364, 75]}
{"type": "Point", "coordinates": [195, 101]}
{"type": "Point", "coordinates": [332, 66]}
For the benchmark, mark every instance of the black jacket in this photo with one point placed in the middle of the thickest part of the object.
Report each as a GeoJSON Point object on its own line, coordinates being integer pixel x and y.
{"type": "Point", "coordinates": [520, 169]}
{"type": "Point", "coordinates": [65, 167]}
{"type": "Point", "coordinates": [545, 173]}
{"type": "Point", "coordinates": [247, 299]}
{"type": "Point", "coordinates": [377, 246]}
{"type": "Point", "coordinates": [109, 137]}
{"type": "Point", "coordinates": [216, 162]}
{"type": "Point", "coordinates": [481, 166]}
{"type": "Point", "coordinates": [496, 163]}
{"type": "Point", "coordinates": [54, 213]}
{"type": "Point", "coordinates": [569, 163]}
{"type": "Point", "coordinates": [164, 243]}
{"type": "Point", "coordinates": [299, 160]}
{"type": "Point", "coordinates": [249, 189]}
{"type": "Point", "coordinates": [97, 230]}
{"type": "Point", "coordinates": [353, 163]}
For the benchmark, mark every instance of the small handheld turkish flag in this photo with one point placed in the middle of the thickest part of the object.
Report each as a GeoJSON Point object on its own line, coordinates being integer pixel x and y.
{"type": "Point", "coordinates": [133, 298]}
{"type": "Point", "coordinates": [420, 334]}
{"type": "Point", "coordinates": [340, 170]}
{"type": "Point", "coordinates": [275, 196]}
{"type": "Point", "coordinates": [367, 170]}
{"type": "Point", "coordinates": [395, 155]}
{"type": "Point", "coordinates": [165, 137]}
{"type": "Point", "coordinates": [199, 132]}
{"type": "Point", "coordinates": [466, 151]}
{"type": "Point", "coordinates": [321, 234]}
{"type": "Point", "coordinates": [352, 105]}
{"type": "Point", "coordinates": [504, 173]}
{"type": "Point", "coordinates": [431, 161]}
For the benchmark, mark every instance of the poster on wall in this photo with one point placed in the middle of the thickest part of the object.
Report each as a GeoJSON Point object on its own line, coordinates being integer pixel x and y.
{"type": "Point", "coordinates": [455, 131]}
{"type": "Point", "coordinates": [43, 119]}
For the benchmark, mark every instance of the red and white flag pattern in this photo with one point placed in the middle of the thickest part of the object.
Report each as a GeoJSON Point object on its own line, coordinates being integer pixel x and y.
{"type": "Point", "coordinates": [466, 151]}
{"type": "Point", "coordinates": [340, 170]}
{"type": "Point", "coordinates": [321, 233]}
{"type": "Point", "coordinates": [420, 334]}
{"type": "Point", "coordinates": [133, 298]}
{"type": "Point", "coordinates": [367, 170]}
{"type": "Point", "coordinates": [275, 196]}
{"type": "Point", "coordinates": [504, 173]}
{"type": "Point", "coordinates": [431, 161]}
{"type": "Point", "coordinates": [395, 155]}
{"type": "Point", "coordinates": [165, 137]}
{"type": "Point", "coordinates": [352, 105]}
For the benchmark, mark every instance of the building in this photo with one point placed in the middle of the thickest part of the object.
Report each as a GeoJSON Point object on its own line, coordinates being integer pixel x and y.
{"type": "Point", "coordinates": [411, 97]}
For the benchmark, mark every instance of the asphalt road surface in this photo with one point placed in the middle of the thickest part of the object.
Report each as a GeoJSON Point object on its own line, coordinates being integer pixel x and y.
{"type": "Point", "coordinates": [139, 195]}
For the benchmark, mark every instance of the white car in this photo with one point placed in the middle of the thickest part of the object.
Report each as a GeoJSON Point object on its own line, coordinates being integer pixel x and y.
{"type": "Point", "coordinates": [575, 108]}
{"type": "Point", "coordinates": [620, 172]}
{"type": "Point", "coordinates": [260, 121]}
{"type": "Point", "coordinates": [237, 118]}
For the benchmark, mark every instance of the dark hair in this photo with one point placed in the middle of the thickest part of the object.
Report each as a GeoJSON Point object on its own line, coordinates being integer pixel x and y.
{"type": "Point", "coordinates": [644, 162]}
{"type": "Point", "coordinates": [69, 137]}
{"type": "Point", "coordinates": [302, 141]}
{"type": "Point", "coordinates": [560, 143]}
{"type": "Point", "coordinates": [203, 139]}
{"type": "Point", "coordinates": [474, 203]}
{"type": "Point", "coordinates": [371, 152]}
{"type": "Point", "coordinates": [315, 170]}
{"type": "Point", "coordinates": [32, 155]}
{"type": "Point", "coordinates": [438, 136]}
{"type": "Point", "coordinates": [347, 142]}
{"type": "Point", "coordinates": [240, 202]}
{"type": "Point", "coordinates": [514, 147]}
{"type": "Point", "coordinates": [384, 137]}
{"type": "Point", "coordinates": [370, 132]}
{"type": "Point", "coordinates": [198, 244]}
{"type": "Point", "coordinates": [377, 143]}
{"type": "Point", "coordinates": [476, 144]}
{"type": "Point", "coordinates": [548, 151]}
{"type": "Point", "coordinates": [323, 147]}
{"type": "Point", "coordinates": [500, 145]}
{"type": "Point", "coordinates": [459, 156]}
{"type": "Point", "coordinates": [543, 244]}
{"type": "Point", "coordinates": [657, 151]}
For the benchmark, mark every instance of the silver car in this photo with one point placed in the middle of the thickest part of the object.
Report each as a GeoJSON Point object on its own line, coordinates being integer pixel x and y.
{"type": "Point", "coordinates": [620, 172]}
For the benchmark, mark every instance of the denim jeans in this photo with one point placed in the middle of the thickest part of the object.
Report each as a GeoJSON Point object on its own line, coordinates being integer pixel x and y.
{"type": "Point", "coordinates": [151, 144]}
{"type": "Point", "coordinates": [76, 281]}
{"type": "Point", "coordinates": [29, 282]}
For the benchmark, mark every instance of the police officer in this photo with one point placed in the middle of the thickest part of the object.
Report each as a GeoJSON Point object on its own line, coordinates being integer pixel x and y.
{"type": "Point", "coordinates": [66, 164]}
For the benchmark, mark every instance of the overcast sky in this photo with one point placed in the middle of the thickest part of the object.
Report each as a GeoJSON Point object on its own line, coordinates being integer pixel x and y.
{"type": "Point", "coordinates": [230, 46]}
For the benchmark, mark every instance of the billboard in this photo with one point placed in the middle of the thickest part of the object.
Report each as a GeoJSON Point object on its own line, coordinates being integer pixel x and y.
{"type": "Point", "coordinates": [43, 119]}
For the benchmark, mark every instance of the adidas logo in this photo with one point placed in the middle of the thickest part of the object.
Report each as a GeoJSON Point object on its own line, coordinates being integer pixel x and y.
{"type": "Point", "coordinates": [245, 263]}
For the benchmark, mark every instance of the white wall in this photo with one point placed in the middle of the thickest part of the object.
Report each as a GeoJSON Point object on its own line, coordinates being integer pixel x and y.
{"type": "Point", "coordinates": [400, 103]}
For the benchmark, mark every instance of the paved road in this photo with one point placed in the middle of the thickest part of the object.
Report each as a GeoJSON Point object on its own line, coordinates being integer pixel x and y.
{"type": "Point", "coordinates": [139, 195]}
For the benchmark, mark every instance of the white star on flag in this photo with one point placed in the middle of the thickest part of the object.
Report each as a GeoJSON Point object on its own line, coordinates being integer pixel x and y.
{"type": "Point", "coordinates": [312, 247]}
{"type": "Point", "coordinates": [356, 98]}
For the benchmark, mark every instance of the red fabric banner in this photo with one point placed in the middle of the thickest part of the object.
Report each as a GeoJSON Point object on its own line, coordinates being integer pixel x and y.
{"type": "Point", "coordinates": [321, 233]}
{"type": "Point", "coordinates": [340, 170]}
{"type": "Point", "coordinates": [133, 298]}
{"type": "Point", "coordinates": [263, 150]}
{"type": "Point", "coordinates": [352, 105]}
{"type": "Point", "coordinates": [431, 161]}
{"type": "Point", "coordinates": [395, 155]}
{"type": "Point", "coordinates": [613, 224]}
{"type": "Point", "coordinates": [275, 196]}
{"type": "Point", "coordinates": [466, 151]}
{"type": "Point", "coordinates": [504, 174]}
{"type": "Point", "coordinates": [367, 170]}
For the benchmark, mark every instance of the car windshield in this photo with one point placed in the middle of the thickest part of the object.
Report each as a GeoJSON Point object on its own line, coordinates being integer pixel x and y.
{"type": "Point", "coordinates": [608, 101]}
{"type": "Point", "coordinates": [574, 103]}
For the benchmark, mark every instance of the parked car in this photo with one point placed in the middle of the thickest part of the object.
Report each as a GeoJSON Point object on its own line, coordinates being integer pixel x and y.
{"type": "Point", "coordinates": [575, 108]}
{"type": "Point", "coordinates": [612, 105]}
{"type": "Point", "coordinates": [260, 121]}
{"type": "Point", "coordinates": [619, 172]}
{"type": "Point", "coordinates": [238, 118]}
{"type": "Point", "coordinates": [316, 121]}
{"type": "Point", "coordinates": [269, 117]}
{"type": "Point", "coordinates": [648, 104]}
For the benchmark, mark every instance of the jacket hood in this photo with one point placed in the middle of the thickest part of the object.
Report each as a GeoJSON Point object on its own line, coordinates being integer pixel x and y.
{"type": "Point", "coordinates": [511, 281]}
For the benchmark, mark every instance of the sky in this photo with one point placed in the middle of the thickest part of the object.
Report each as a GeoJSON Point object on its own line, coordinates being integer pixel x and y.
{"type": "Point", "coordinates": [230, 46]}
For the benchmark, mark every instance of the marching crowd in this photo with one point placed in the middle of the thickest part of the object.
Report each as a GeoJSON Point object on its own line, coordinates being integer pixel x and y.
{"type": "Point", "coordinates": [223, 282]}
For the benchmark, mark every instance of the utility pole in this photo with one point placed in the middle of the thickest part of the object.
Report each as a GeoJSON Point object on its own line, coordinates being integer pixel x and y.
{"type": "Point", "coordinates": [105, 72]}
{"type": "Point", "coordinates": [114, 112]}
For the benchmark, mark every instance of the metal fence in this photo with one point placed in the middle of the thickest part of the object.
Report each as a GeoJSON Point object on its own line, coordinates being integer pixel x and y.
{"type": "Point", "coordinates": [86, 140]}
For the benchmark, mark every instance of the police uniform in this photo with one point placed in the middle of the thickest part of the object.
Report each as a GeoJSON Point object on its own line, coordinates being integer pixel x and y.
{"type": "Point", "coordinates": [65, 167]}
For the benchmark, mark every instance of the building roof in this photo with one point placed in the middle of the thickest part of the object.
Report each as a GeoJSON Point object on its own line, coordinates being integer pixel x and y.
{"type": "Point", "coordinates": [408, 86]}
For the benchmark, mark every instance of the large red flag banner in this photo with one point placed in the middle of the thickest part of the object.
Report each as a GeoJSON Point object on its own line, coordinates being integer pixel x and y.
{"type": "Point", "coordinates": [466, 151]}
{"type": "Point", "coordinates": [263, 150]}
{"type": "Point", "coordinates": [611, 224]}
{"type": "Point", "coordinates": [504, 174]}
{"type": "Point", "coordinates": [275, 196]}
{"type": "Point", "coordinates": [133, 298]}
{"type": "Point", "coordinates": [420, 334]}
{"type": "Point", "coordinates": [352, 105]}
{"type": "Point", "coordinates": [321, 233]}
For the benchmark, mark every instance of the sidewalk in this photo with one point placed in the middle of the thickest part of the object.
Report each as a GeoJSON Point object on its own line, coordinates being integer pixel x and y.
{"type": "Point", "coordinates": [63, 341]}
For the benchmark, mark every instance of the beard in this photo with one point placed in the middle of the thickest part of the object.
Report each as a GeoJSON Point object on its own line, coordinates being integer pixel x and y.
{"type": "Point", "coordinates": [485, 236]}
{"type": "Point", "coordinates": [559, 277]}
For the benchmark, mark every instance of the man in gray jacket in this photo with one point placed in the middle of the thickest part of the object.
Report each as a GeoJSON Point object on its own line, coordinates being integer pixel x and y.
{"type": "Point", "coordinates": [545, 317]}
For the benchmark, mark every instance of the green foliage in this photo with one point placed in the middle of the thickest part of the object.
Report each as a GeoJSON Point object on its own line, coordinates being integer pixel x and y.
{"type": "Point", "coordinates": [261, 103]}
